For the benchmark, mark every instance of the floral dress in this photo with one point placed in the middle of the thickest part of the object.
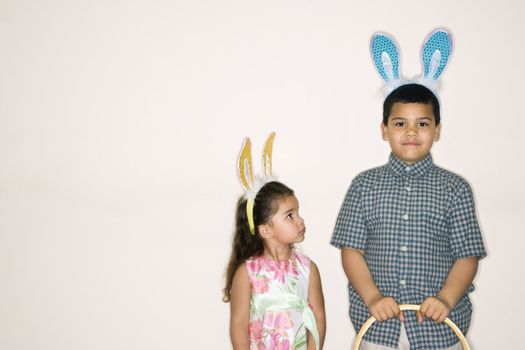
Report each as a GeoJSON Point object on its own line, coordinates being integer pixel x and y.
{"type": "Point", "coordinates": [279, 311]}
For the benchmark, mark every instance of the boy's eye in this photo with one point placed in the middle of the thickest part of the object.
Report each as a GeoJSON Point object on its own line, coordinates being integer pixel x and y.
{"type": "Point", "coordinates": [399, 124]}
{"type": "Point", "coordinates": [423, 124]}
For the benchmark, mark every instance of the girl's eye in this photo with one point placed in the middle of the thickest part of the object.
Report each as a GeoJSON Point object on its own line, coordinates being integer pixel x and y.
{"type": "Point", "coordinates": [399, 124]}
{"type": "Point", "coordinates": [423, 124]}
{"type": "Point", "coordinates": [289, 216]}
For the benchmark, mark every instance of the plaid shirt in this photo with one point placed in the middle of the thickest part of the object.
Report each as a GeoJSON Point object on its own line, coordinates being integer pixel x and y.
{"type": "Point", "coordinates": [413, 222]}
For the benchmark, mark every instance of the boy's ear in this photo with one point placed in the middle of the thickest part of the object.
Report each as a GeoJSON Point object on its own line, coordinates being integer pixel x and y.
{"type": "Point", "coordinates": [384, 131]}
{"type": "Point", "coordinates": [438, 133]}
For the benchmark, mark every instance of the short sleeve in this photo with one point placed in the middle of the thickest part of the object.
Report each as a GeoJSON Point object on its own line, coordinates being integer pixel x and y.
{"type": "Point", "coordinates": [350, 228]}
{"type": "Point", "coordinates": [465, 235]}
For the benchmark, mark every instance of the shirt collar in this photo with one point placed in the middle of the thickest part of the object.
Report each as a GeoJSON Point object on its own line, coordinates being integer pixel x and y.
{"type": "Point", "coordinates": [400, 168]}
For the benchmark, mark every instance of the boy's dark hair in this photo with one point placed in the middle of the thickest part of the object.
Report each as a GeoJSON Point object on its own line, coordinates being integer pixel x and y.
{"type": "Point", "coordinates": [245, 245]}
{"type": "Point", "coordinates": [411, 93]}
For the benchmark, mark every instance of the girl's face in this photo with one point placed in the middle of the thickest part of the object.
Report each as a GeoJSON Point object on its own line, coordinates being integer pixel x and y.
{"type": "Point", "coordinates": [286, 226]}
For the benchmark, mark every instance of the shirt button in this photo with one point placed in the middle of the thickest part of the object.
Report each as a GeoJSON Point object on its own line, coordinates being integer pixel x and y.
{"type": "Point", "coordinates": [409, 188]}
{"type": "Point", "coordinates": [405, 217]}
{"type": "Point", "coordinates": [402, 282]}
{"type": "Point", "coordinates": [404, 248]}
{"type": "Point", "coordinates": [407, 169]}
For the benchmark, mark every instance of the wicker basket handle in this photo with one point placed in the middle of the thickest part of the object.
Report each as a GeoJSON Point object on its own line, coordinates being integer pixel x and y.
{"type": "Point", "coordinates": [404, 307]}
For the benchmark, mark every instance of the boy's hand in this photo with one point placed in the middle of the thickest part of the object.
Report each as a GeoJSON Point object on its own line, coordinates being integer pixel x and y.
{"type": "Point", "coordinates": [384, 308]}
{"type": "Point", "coordinates": [434, 308]}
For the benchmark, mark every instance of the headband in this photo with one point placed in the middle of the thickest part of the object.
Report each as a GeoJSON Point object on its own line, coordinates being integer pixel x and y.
{"type": "Point", "coordinates": [435, 53]}
{"type": "Point", "coordinates": [251, 184]}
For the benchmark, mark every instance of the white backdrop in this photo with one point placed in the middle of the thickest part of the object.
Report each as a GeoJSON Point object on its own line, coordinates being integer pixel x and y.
{"type": "Point", "coordinates": [120, 122]}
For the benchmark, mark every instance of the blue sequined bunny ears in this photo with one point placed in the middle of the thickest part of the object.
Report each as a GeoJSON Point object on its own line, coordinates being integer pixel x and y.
{"type": "Point", "coordinates": [435, 53]}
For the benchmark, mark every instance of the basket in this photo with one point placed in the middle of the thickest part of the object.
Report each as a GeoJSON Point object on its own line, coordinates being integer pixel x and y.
{"type": "Point", "coordinates": [403, 307]}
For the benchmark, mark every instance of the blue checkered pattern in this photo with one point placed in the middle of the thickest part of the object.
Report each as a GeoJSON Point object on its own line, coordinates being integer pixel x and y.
{"type": "Point", "coordinates": [413, 222]}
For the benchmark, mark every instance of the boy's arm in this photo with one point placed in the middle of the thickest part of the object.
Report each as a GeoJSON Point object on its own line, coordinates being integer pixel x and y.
{"type": "Point", "coordinates": [316, 299]}
{"type": "Point", "coordinates": [356, 270]}
{"type": "Point", "coordinates": [458, 280]}
{"type": "Point", "coordinates": [240, 309]}
{"type": "Point", "coordinates": [467, 247]}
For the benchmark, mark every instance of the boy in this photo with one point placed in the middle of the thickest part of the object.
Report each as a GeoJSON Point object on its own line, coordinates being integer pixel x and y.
{"type": "Point", "coordinates": [408, 234]}
{"type": "Point", "coordinates": [407, 230]}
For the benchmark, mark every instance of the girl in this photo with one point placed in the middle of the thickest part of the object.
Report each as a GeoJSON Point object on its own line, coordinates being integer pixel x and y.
{"type": "Point", "coordinates": [274, 290]}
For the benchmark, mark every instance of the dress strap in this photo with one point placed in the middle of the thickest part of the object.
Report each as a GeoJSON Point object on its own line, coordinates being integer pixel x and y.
{"type": "Point", "coordinates": [286, 301]}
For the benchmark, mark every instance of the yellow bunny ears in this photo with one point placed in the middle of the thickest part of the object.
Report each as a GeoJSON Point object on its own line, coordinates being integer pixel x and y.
{"type": "Point", "coordinates": [251, 184]}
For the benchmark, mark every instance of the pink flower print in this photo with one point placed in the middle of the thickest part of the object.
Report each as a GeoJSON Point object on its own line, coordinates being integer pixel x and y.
{"type": "Point", "coordinates": [279, 274]}
{"type": "Point", "coordinates": [302, 260]}
{"type": "Point", "coordinates": [260, 285]}
{"type": "Point", "coordinates": [279, 322]}
{"type": "Point", "coordinates": [292, 268]}
{"type": "Point", "coordinates": [281, 269]}
{"type": "Point", "coordinates": [253, 266]}
{"type": "Point", "coordinates": [284, 345]}
{"type": "Point", "coordinates": [255, 330]}
{"type": "Point", "coordinates": [276, 342]}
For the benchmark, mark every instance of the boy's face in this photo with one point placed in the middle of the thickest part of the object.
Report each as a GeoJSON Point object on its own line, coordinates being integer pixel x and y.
{"type": "Point", "coordinates": [411, 131]}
